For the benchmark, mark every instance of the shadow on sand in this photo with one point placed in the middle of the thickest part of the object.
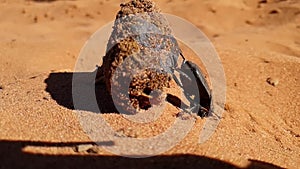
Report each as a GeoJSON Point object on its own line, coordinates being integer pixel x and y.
{"type": "Point", "coordinates": [12, 156]}
{"type": "Point", "coordinates": [59, 85]}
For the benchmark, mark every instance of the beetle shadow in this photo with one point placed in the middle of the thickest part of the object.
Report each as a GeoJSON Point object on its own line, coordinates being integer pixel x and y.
{"type": "Point", "coordinates": [59, 86]}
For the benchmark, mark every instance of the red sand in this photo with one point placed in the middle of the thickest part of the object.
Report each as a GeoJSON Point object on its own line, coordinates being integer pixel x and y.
{"type": "Point", "coordinates": [255, 42]}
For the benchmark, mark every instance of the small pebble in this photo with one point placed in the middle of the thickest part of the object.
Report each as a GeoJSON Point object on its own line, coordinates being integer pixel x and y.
{"type": "Point", "coordinates": [274, 11]}
{"type": "Point", "coordinates": [83, 147]}
{"type": "Point", "coordinates": [273, 81]}
{"type": "Point", "coordinates": [88, 15]}
{"type": "Point", "coordinates": [263, 2]}
{"type": "Point", "coordinates": [249, 22]}
{"type": "Point", "coordinates": [35, 19]}
{"type": "Point", "coordinates": [46, 98]}
{"type": "Point", "coordinates": [1, 87]}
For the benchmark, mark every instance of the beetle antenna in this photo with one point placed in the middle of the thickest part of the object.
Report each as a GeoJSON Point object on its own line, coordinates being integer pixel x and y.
{"type": "Point", "coordinates": [182, 57]}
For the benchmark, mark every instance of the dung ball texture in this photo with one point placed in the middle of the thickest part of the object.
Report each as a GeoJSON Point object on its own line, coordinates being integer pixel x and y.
{"type": "Point", "coordinates": [141, 54]}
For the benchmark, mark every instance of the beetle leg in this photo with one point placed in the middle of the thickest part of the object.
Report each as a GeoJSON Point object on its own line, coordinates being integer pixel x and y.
{"type": "Point", "coordinates": [180, 71]}
{"type": "Point", "coordinates": [198, 109]}
{"type": "Point", "coordinates": [182, 57]}
{"type": "Point", "coordinates": [203, 112]}
{"type": "Point", "coordinates": [183, 74]}
{"type": "Point", "coordinates": [195, 107]}
{"type": "Point", "coordinates": [178, 82]}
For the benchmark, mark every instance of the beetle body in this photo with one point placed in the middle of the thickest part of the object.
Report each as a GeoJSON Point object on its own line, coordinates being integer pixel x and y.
{"type": "Point", "coordinates": [195, 88]}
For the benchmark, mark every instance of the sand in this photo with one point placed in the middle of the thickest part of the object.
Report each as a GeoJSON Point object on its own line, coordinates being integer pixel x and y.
{"type": "Point", "coordinates": [256, 41]}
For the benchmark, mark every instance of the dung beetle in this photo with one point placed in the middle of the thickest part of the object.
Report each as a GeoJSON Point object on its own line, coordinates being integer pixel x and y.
{"type": "Point", "coordinates": [143, 54]}
{"type": "Point", "coordinates": [195, 88]}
